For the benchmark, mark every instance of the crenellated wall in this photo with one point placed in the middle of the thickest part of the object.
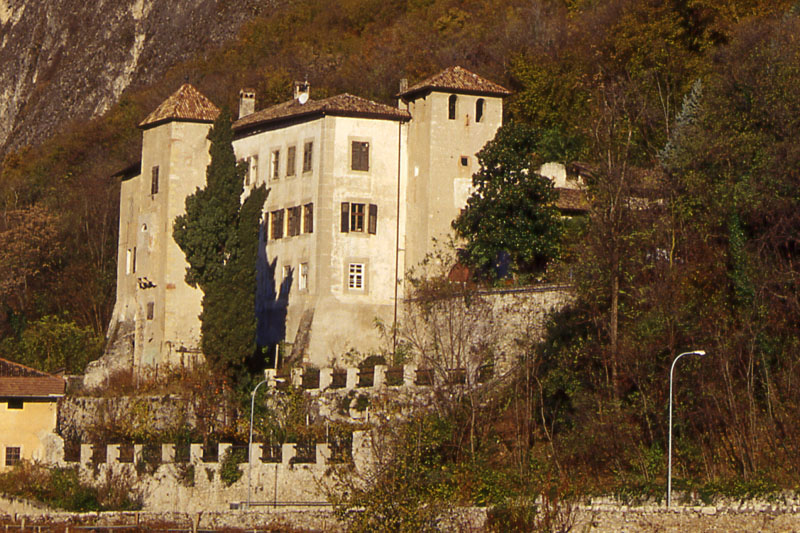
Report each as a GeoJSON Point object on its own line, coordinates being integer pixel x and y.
{"type": "Point", "coordinates": [285, 475]}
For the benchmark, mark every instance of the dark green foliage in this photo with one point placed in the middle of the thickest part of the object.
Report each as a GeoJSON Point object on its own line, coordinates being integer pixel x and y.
{"type": "Point", "coordinates": [229, 471]}
{"type": "Point", "coordinates": [511, 211]}
{"type": "Point", "coordinates": [61, 488]}
{"type": "Point", "coordinates": [219, 236]}
{"type": "Point", "coordinates": [53, 343]}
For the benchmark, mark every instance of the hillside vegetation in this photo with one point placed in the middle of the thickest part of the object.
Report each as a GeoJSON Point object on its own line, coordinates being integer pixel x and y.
{"type": "Point", "coordinates": [686, 114]}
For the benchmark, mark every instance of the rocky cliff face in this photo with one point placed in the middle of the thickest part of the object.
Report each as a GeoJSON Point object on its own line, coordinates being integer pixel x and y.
{"type": "Point", "coordinates": [66, 60]}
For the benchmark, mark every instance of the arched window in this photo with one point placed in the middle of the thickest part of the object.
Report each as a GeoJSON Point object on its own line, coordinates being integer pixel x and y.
{"type": "Point", "coordinates": [451, 109]}
{"type": "Point", "coordinates": [479, 104]}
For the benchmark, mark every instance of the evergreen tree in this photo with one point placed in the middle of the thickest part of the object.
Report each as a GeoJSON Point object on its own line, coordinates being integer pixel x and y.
{"type": "Point", "coordinates": [219, 236]}
{"type": "Point", "coordinates": [511, 213]}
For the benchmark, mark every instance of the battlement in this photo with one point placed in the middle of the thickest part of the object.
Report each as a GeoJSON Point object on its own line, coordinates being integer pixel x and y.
{"type": "Point", "coordinates": [378, 376]}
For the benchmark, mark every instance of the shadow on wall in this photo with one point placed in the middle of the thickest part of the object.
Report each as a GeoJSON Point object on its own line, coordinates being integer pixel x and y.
{"type": "Point", "coordinates": [271, 301]}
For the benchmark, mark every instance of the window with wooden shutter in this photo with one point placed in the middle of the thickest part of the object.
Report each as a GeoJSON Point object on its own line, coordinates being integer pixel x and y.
{"type": "Point", "coordinates": [372, 226]}
{"type": "Point", "coordinates": [277, 224]}
{"type": "Point", "coordinates": [154, 181]}
{"type": "Point", "coordinates": [308, 154]}
{"type": "Point", "coordinates": [290, 160]}
{"type": "Point", "coordinates": [359, 155]}
{"type": "Point", "coordinates": [345, 217]}
{"type": "Point", "coordinates": [308, 218]}
{"type": "Point", "coordinates": [276, 164]}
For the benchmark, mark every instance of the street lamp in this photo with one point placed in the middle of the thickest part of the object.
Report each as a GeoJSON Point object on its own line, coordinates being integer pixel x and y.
{"type": "Point", "coordinates": [669, 460]}
{"type": "Point", "coordinates": [250, 443]}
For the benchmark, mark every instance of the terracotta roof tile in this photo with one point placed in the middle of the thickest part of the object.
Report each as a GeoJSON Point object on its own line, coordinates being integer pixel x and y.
{"type": "Point", "coordinates": [457, 79]}
{"type": "Point", "coordinates": [21, 381]}
{"type": "Point", "coordinates": [340, 105]}
{"type": "Point", "coordinates": [185, 104]}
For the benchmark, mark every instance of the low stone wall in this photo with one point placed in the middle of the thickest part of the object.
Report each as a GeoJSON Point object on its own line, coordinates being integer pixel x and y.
{"type": "Point", "coordinates": [599, 518]}
{"type": "Point", "coordinates": [293, 475]}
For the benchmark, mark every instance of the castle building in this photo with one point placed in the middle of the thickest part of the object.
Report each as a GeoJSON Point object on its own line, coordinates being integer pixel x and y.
{"type": "Point", "coordinates": [358, 192]}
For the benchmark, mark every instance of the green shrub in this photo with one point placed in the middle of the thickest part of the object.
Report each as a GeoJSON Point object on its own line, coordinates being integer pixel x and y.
{"type": "Point", "coordinates": [229, 471]}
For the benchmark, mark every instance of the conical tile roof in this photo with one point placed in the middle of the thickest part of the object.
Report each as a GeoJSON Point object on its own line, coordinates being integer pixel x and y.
{"type": "Point", "coordinates": [185, 104]}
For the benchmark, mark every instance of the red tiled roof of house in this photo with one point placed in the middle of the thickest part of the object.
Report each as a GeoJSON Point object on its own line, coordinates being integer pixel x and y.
{"type": "Point", "coordinates": [185, 104]}
{"type": "Point", "coordinates": [456, 79]}
{"type": "Point", "coordinates": [18, 380]}
{"type": "Point", "coordinates": [341, 105]}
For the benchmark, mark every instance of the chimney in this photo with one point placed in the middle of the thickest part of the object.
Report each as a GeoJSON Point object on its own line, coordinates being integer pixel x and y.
{"type": "Point", "coordinates": [403, 88]}
{"type": "Point", "coordinates": [302, 91]}
{"type": "Point", "coordinates": [247, 102]}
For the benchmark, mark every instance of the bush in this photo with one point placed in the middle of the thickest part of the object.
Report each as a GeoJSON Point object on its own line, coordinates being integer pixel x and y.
{"type": "Point", "coordinates": [229, 471]}
{"type": "Point", "coordinates": [62, 488]}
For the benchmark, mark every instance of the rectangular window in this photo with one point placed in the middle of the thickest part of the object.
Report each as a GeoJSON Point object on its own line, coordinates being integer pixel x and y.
{"type": "Point", "coordinates": [359, 156]}
{"type": "Point", "coordinates": [357, 217]}
{"type": "Point", "coordinates": [372, 225]}
{"type": "Point", "coordinates": [345, 217]}
{"type": "Point", "coordinates": [133, 269]}
{"type": "Point", "coordinates": [294, 221]}
{"type": "Point", "coordinates": [302, 282]}
{"type": "Point", "coordinates": [275, 164]}
{"type": "Point", "coordinates": [287, 277]}
{"type": "Point", "coordinates": [308, 154]}
{"type": "Point", "coordinates": [15, 403]}
{"type": "Point", "coordinates": [154, 181]}
{"type": "Point", "coordinates": [13, 455]}
{"type": "Point", "coordinates": [356, 276]}
{"type": "Point", "coordinates": [277, 224]}
{"type": "Point", "coordinates": [151, 307]}
{"type": "Point", "coordinates": [290, 160]}
{"type": "Point", "coordinates": [252, 170]}
{"type": "Point", "coordinates": [129, 261]}
{"type": "Point", "coordinates": [308, 218]}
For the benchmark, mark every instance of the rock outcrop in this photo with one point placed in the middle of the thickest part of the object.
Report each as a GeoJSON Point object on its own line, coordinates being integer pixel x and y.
{"type": "Point", "coordinates": [62, 61]}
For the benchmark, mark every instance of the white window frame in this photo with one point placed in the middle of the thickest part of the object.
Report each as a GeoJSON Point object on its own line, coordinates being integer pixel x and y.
{"type": "Point", "coordinates": [356, 277]}
{"type": "Point", "coordinates": [302, 279]}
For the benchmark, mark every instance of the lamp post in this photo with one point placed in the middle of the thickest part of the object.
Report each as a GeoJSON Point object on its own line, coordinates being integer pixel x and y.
{"type": "Point", "coordinates": [250, 442]}
{"type": "Point", "coordinates": [669, 460]}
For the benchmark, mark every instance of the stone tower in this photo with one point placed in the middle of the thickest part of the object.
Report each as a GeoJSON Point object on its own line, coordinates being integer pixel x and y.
{"type": "Point", "coordinates": [155, 319]}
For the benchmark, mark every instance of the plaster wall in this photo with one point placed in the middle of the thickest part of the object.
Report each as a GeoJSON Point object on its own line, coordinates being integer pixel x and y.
{"type": "Point", "coordinates": [439, 181]}
{"type": "Point", "coordinates": [150, 265]}
{"type": "Point", "coordinates": [30, 429]}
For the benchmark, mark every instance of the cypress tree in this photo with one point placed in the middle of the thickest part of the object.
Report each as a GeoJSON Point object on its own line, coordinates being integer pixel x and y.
{"type": "Point", "coordinates": [219, 236]}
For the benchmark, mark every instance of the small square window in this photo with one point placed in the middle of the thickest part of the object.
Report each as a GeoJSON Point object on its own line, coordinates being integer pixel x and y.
{"type": "Point", "coordinates": [464, 161]}
{"type": "Point", "coordinates": [356, 276]}
{"type": "Point", "coordinates": [15, 403]}
{"type": "Point", "coordinates": [13, 455]}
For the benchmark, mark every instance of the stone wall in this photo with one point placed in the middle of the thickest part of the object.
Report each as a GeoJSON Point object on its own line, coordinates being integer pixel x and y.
{"type": "Point", "coordinates": [730, 517]}
{"type": "Point", "coordinates": [285, 475]}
